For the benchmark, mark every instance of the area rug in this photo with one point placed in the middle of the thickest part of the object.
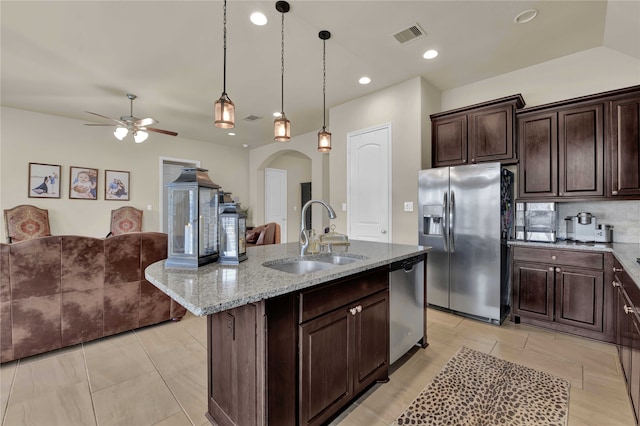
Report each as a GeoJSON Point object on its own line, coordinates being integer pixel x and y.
{"type": "Point", "coordinates": [478, 389]}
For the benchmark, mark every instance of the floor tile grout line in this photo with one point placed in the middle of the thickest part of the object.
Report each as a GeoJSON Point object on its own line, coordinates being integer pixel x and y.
{"type": "Point", "coordinates": [155, 365]}
{"type": "Point", "coordinates": [13, 381]}
{"type": "Point", "coordinates": [86, 369]}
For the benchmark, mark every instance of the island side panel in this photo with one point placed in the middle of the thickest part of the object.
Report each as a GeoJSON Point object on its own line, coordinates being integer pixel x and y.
{"type": "Point", "coordinates": [426, 304]}
{"type": "Point", "coordinates": [236, 364]}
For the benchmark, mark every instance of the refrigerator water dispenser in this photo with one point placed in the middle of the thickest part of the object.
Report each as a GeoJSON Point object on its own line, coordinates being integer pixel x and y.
{"type": "Point", "coordinates": [432, 219]}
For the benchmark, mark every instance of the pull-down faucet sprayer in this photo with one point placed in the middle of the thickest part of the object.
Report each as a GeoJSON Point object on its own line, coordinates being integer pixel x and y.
{"type": "Point", "coordinates": [304, 237]}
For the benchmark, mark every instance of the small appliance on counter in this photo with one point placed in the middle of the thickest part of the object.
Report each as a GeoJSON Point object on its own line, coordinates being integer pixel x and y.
{"type": "Point", "coordinates": [536, 222]}
{"type": "Point", "coordinates": [585, 228]}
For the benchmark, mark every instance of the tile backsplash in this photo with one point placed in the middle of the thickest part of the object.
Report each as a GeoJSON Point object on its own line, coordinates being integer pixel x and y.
{"type": "Point", "coordinates": [623, 215]}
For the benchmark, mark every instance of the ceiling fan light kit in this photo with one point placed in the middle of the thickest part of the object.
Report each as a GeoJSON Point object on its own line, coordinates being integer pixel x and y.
{"type": "Point", "coordinates": [282, 126]}
{"type": "Point", "coordinates": [129, 124]}
{"type": "Point", "coordinates": [324, 137]}
{"type": "Point", "coordinates": [224, 110]}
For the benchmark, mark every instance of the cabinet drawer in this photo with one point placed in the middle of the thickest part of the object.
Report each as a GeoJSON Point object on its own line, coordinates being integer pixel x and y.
{"type": "Point", "coordinates": [315, 302]}
{"type": "Point", "coordinates": [585, 259]}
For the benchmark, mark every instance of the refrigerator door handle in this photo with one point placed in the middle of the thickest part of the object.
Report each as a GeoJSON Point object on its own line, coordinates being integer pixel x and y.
{"type": "Point", "coordinates": [445, 231]}
{"type": "Point", "coordinates": [452, 221]}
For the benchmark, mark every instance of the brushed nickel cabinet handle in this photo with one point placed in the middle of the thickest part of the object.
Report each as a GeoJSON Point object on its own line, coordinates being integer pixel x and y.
{"type": "Point", "coordinates": [630, 309]}
{"type": "Point", "coordinates": [615, 284]}
{"type": "Point", "coordinates": [614, 192]}
{"type": "Point", "coordinates": [558, 270]}
{"type": "Point", "coordinates": [359, 308]}
{"type": "Point", "coordinates": [550, 268]}
{"type": "Point", "coordinates": [353, 311]}
{"type": "Point", "coordinates": [618, 269]}
{"type": "Point", "coordinates": [553, 257]}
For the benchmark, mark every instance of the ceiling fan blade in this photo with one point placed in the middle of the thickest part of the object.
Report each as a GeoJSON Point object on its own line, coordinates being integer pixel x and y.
{"type": "Point", "coordinates": [104, 116]}
{"type": "Point", "coordinates": [145, 122]}
{"type": "Point", "coordinates": [166, 132]}
{"type": "Point", "coordinates": [94, 124]}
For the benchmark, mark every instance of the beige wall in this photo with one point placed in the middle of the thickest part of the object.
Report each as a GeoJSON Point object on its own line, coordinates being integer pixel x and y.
{"type": "Point", "coordinates": [401, 106]}
{"type": "Point", "coordinates": [32, 137]}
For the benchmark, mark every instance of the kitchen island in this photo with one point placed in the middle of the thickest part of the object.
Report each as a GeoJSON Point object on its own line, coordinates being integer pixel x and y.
{"type": "Point", "coordinates": [285, 348]}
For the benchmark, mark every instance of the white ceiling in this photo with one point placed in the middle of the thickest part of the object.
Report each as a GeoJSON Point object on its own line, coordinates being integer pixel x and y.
{"type": "Point", "coordinates": [67, 57]}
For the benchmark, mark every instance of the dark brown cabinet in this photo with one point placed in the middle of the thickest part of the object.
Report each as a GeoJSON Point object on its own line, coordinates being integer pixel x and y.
{"type": "Point", "coordinates": [297, 359]}
{"type": "Point", "coordinates": [625, 147]}
{"type": "Point", "coordinates": [341, 353]}
{"type": "Point", "coordinates": [562, 152]}
{"type": "Point", "coordinates": [563, 290]}
{"type": "Point", "coordinates": [479, 133]}
{"type": "Point", "coordinates": [627, 304]}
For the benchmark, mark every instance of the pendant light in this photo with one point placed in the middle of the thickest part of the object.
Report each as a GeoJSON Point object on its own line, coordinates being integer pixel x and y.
{"type": "Point", "coordinates": [224, 110]}
{"type": "Point", "coordinates": [324, 137]}
{"type": "Point", "coordinates": [282, 126]}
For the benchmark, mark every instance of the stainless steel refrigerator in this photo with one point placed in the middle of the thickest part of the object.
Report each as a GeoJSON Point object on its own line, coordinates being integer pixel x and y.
{"type": "Point", "coordinates": [465, 214]}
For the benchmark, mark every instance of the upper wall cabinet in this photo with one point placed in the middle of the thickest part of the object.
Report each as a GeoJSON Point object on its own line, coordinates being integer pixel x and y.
{"type": "Point", "coordinates": [625, 146]}
{"type": "Point", "coordinates": [582, 148]}
{"type": "Point", "coordinates": [475, 134]}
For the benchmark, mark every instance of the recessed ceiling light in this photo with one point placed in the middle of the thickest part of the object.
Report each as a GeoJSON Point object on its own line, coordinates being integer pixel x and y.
{"type": "Point", "coordinates": [430, 54]}
{"type": "Point", "coordinates": [526, 16]}
{"type": "Point", "coordinates": [231, 134]}
{"type": "Point", "coordinates": [277, 114]}
{"type": "Point", "coordinates": [364, 80]}
{"type": "Point", "coordinates": [258, 18]}
{"type": "Point", "coordinates": [244, 145]}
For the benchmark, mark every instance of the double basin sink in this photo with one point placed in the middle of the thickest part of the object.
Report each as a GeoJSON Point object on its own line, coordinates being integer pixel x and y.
{"type": "Point", "coordinates": [313, 263]}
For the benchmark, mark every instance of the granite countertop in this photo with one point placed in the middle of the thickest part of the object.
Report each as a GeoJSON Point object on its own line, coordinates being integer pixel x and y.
{"type": "Point", "coordinates": [626, 253]}
{"type": "Point", "coordinates": [217, 287]}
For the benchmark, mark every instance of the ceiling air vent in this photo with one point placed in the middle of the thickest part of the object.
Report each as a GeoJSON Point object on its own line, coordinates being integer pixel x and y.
{"type": "Point", "coordinates": [412, 33]}
{"type": "Point", "coordinates": [252, 118]}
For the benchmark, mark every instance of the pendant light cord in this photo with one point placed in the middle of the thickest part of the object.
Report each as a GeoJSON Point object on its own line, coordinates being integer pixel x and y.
{"type": "Point", "coordinates": [324, 84]}
{"type": "Point", "coordinates": [224, 61]}
{"type": "Point", "coordinates": [282, 69]}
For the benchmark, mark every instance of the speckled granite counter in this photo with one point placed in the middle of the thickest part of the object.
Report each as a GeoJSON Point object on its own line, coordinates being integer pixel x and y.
{"type": "Point", "coordinates": [215, 287]}
{"type": "Point", "coordinates": [625, 253]}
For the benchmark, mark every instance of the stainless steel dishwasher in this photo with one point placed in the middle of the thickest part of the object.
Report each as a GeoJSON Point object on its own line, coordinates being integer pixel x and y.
{"type": "Point", "coordinates": [406, 305]}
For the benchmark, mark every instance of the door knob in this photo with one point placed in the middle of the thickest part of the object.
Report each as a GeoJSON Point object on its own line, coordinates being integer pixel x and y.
{"type": "Point", "coordinates": [384, 231]}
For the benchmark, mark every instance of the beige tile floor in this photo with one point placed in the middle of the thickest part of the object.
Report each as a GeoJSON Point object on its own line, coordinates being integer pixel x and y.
{"type": "Point", "coordinates": [157, 376]}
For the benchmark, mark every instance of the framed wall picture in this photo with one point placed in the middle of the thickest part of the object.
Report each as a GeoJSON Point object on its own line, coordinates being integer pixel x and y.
{"type": "Point", "coordinates": [83, 183]}
{"type": "Point", "coordinates": [44, 180]}
{"type": "Point", "coordinates": [116, 185]}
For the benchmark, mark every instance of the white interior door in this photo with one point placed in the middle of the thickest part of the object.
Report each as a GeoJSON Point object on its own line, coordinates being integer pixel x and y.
{"type": "Point", "coordinates": [275, 199]}
{"type": "Point", "coordinates": [170, 169]}
{"type": "Point", "coordinates": [369, 181]}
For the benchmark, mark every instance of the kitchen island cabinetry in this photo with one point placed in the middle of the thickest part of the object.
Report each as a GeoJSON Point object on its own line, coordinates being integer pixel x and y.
{"type": "Point", "coordinates": [625, 147]}
{"type": "Point", "coordinates": [627, 304]}
{"type": "Point", "coordinates": [475, 134]}
{"type": "Point", "coordinates": [563, 290]}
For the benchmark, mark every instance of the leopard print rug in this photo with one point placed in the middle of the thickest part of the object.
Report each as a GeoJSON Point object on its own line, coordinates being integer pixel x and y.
{"type": "Point", "coordinates": [478, 389]}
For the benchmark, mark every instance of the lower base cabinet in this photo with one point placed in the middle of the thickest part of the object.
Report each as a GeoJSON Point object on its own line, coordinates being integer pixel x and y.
{"type": "Point", "coordinates": [628, 333]}
{"type": "Point", "coordinates": [563, 290]}
{"type": "Point", "coordinates": [298, 359]}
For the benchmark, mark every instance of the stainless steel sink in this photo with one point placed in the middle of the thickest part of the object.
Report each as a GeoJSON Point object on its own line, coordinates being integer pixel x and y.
{"type": "Point", "coordinates": [314, 263]}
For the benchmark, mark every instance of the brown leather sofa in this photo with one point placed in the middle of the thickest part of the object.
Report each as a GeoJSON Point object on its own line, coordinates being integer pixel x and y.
{"type": "Point", "coordinates": [264, 234]}
{"type": "Point", "coordinates": [59, 291]}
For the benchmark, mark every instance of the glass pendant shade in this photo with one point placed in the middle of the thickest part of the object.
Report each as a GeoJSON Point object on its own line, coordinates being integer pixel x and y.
{"type": "Point", "coordinates": [140, 136]}
{"type": "Point", "coordinates": [324, 140]}
{"type": "Point", "coordinates": [121, 133]}
{"type": "Point", "coordinates": [225, 113]}
{"type": "Point", "coordinates": [282, 129]}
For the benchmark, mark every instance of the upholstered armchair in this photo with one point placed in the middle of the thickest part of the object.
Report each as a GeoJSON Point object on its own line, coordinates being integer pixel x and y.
{"type": "Point", "coordinates": [26, 222]}
{"type": "Point", "coordinates": [125, 220]}
{"type": "Point", "coordinates": [263, 235]}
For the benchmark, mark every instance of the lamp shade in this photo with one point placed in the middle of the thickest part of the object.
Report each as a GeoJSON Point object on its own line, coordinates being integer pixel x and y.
{"type": "Point", "coordinates": [225, 113]}
{"type": "Point", "coordinates": [324, 140]}
{"type": "Point", "coordinates": [140, 136]}
{"type": "Point", "coordinates": [120, 133]}
{"type": "Point", "coordinates": [282, 129]}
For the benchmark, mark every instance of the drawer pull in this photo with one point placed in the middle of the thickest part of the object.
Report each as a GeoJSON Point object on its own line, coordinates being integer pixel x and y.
{"type": "Point", "coordinates": [618, 269]}
{"type": "Point", "coordinates": [353, 311]}
{"type": "Point", "coordinates": [550, 268]}
{"type": "Point", "coordinates": [359, 308]}
{"type": "Point", "coordinates": [630, 309]}
{"type": "Point", "coordinates": [553, 257]}
{"type": "Point", "coordinates": [614, 192]}
{"type": "Point", "coordinates": [558, 270]}
{"type": "Point", "coordinates": [616, 284]}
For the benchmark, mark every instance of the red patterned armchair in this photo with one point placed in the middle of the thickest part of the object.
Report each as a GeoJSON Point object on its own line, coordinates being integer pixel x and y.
{"type": "Point", "coordinates": [125, 220]}
{"type": "Point", "coordinates": [26, 222]}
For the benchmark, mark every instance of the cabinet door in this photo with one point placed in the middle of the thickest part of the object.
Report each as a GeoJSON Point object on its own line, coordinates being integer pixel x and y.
{"type": "Point", "coordinates": [624, 334]}
{"type": "Point", "coordinates": [449, 140]}
{"type": "Point", "coordinates": [625, 147]}
{"type": "Point", "coordinates": [538, 148]}
{"type": "Point", "coordinates": [579, 298]}
{"type": "Point", "coordinates": [491, 135]}
{"type": "Point", "coordinates": [326, 359]}
{"type": "Point", "coordinates": [634, 379]}
{"type": "Point", "coordinates": [533, 290]}
{"type": "Point", "coordinates": [581, 151]}
{"type": "Point", "coordinates": [371, 340]}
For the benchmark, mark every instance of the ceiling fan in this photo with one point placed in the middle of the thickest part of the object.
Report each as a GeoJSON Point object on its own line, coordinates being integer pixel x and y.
{"type": "Point", "coordinates": [138, 127]}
